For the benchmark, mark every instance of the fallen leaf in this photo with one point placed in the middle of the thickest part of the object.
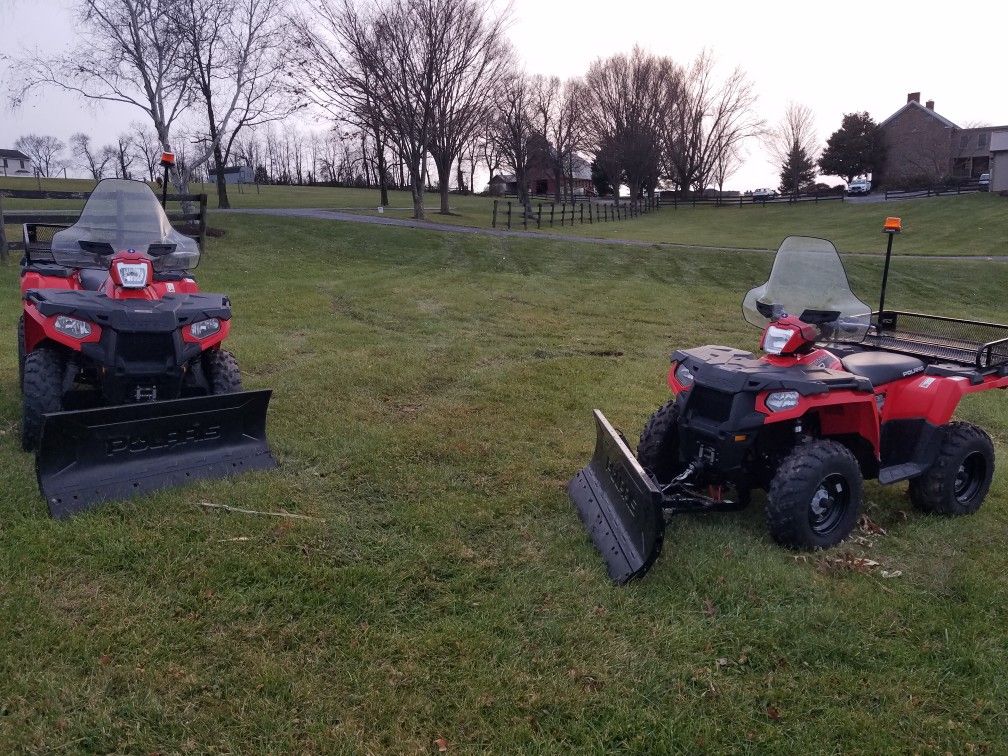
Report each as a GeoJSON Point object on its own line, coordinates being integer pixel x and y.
{"type": "Point", "coordinates": [104, 660]}
{"type": "Point", "coordinates": [709, 608]}
{"type": "Point", "coordinates": [722, 662]}
{"type": "Point", "coordinates": [773, 712]}
{"type": "Point", "coordinates": [442, 744]}
{"type": "Point", "coordinates": [891, 573]}
{"type": "Point", "coordinates": [870, 526]}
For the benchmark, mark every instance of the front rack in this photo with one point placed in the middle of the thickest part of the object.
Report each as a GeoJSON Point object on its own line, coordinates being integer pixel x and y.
{"type": "Point", "coordinates": [933, 337]}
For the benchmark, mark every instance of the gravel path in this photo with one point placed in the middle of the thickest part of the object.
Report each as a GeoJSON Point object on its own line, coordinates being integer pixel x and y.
{"type": "Point", "coordinates": [377, 220]}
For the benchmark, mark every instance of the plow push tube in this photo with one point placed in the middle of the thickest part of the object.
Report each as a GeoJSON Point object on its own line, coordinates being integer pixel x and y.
{"type": "Point", "coordinates": [620, 506]}
{"type": "Point", "coordinates": [110, 453]}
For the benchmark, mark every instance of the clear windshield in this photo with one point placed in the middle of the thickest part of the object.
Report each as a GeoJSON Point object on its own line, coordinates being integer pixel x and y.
{"type": "Point", "coordinates": [118, 216]}
{"type": "Point", "coordinates": [808, 279]}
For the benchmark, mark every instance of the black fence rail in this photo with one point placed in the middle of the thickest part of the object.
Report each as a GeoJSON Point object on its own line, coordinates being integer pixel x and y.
{"type": "Point", "coordinates": [511, 214]}
{"type": "Point", "coordinates": [39, 225]}
{"type": "Point", "coordinates": [967, 187]}
{"type": "Point", "coordinates": [671, 199]}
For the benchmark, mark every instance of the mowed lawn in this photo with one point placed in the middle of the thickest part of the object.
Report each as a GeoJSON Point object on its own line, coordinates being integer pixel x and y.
{"type": "Point", "coordinates": [432, 396]}
{"type": "Point", "coordinates": [966, 225]}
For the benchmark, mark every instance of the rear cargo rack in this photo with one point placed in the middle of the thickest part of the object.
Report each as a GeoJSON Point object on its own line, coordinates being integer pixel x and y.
{"type": "Point", "coordinates": [936, 338]}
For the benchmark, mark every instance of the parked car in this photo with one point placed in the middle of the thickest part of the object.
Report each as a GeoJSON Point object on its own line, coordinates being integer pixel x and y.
{"type": "Point", "coordinates": [859, 186]}
{"type": "Point", "coordinates": [983, 183]}
{"type": "Point", "coordinates": [764, 193]}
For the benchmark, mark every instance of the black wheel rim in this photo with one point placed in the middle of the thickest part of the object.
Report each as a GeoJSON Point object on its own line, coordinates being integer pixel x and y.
{"type": "Point", "coordinates": [970, 477]}
{"type": "Point", "coordinates": [829, 504]}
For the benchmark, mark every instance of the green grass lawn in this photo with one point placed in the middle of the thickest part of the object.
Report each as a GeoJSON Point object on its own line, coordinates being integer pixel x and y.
{"type": "Point", "coordinates": [432, 396]}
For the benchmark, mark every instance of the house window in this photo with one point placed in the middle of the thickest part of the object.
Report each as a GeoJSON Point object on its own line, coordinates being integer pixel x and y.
{"type": "Point", "coordinates": [22, 165]}
{"type": "Point", "coordinates": [983, 139]}
{"type": "Point", "coordinates": [964, 142]}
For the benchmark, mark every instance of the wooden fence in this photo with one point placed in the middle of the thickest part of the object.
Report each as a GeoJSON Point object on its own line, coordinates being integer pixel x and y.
{"type": "Point", "coordinates": [511, 214]}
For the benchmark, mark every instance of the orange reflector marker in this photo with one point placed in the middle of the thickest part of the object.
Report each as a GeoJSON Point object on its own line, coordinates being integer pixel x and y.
{"type": "Point", "coordinates": [893, 225]}
{"type": "Point", "coordinates": [741, 437]}
{"type": "Point", "coordinates": [167, 159]}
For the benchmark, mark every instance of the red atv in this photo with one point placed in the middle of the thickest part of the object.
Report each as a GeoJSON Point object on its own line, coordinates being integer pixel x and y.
{"type": "Point", "coordinates": [842, 394]}
{"type": "Point", "coordinates": [126, 387]}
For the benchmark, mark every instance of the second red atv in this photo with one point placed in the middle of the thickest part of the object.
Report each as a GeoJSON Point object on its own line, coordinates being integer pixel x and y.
{"type": "Point", "coordinates": [126, 385]}
{"type": "Point", "coordinates": [841, 394]}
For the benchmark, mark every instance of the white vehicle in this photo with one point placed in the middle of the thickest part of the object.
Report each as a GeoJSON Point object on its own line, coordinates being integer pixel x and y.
{"type": "Point", "coordinates": [764, 193]}
{"type": "Point", "coordinates": [859, 186]}
{"type": "Point", "coordinates": [983, 183]}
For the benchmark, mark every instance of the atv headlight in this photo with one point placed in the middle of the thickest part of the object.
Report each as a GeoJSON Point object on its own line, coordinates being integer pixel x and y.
{"type": "Point", "coordinates": [72, 327]}
{"type": "Point", "coordinates": [132, 275]}
{"type": "Point", "coordinates": [204, 328]}
{"type": "Point", "coordinates": [781, 400]}
{"type": "Point", "coordinates": [684, 376]}
{"type": "Point", "coordinates": [776, 339]}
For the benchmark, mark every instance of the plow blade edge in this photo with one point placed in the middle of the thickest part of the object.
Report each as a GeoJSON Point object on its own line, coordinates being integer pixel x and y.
{"type": "Point", "coordinates": [111, 453]}
{"type": "Point", "coordinates": [619, 505]}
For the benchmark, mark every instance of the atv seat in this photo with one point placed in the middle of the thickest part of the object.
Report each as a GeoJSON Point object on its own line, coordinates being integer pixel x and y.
{"type": "Point", "coordinates": [92, 279]}
{"type": "Point", "coordinates": [882, 367]}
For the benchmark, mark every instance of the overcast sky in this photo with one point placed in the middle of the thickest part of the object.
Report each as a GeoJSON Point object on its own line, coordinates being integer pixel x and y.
{"type": "Point", "coordinates": [834, 57]}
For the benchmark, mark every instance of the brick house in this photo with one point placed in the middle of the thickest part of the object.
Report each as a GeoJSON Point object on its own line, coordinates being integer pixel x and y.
{"type": "Point", "coordinates": [925, 146]}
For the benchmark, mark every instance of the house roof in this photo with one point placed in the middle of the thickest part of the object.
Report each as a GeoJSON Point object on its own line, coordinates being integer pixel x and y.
{"type": "Point", "coordinates": [914, 104]}
{"type": "Point", "coordinates": [15, 154]}
{"type": "Point", "coordinates": [505, 178]}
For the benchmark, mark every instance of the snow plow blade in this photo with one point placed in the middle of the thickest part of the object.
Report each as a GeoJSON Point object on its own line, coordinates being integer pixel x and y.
{"type": "Point", "coordinates": [112, 453]}
{"type": "Point", "coordinates": [620, 506]}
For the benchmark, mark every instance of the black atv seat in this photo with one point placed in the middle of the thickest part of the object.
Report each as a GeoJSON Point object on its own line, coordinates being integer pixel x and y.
{"type": "Point", "coordinates": [92, 279]}
{"type": "Point", "coordinates": [882, 367]}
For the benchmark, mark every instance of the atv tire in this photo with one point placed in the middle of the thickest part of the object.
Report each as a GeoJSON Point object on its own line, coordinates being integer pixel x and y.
{"type": "Point", "coordinates": [815, 496]}
{"type": "Point", "coordinates": [958, 480]}
{"type": "Point", "coordinates": [222, 372]}
{"type": "Point", "coordinates": [658, 448]}
{"type": "Point", "coordinates": [21, 352]}
{"type": "Point", "coordinates": [42, 392]}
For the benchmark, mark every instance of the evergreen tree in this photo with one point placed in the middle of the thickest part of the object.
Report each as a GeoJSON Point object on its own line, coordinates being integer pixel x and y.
{"type": "Point", "coordinates": [855, 149]}
{"type": "Point", "coordinates": [798, 170]}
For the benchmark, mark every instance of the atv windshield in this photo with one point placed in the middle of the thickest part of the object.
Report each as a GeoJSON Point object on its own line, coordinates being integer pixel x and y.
{"type": "Point", "coordinates": [808, 279]}
{"type": "Point", "coordinates": [123, 215]}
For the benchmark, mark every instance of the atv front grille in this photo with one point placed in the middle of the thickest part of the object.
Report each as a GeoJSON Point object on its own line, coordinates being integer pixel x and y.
{"type": "Point", "coordinates": [710, 404]}
{"type": "Point", "coordinates": [145, 347]}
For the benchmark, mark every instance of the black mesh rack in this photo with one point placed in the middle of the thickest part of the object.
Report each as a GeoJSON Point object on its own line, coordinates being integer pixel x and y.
{"type": "Point", "coordinates": [38, 240]}
{"type": "Point", "coordinates": [936, 338]}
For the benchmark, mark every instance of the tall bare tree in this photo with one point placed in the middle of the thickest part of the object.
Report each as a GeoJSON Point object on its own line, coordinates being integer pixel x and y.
{"type": "Point", "coordinates": [558, 118]}
{"type": "Point", "coordinates": [147, 147]}
{"type": "Point", "coordinates": [473, 56]}
{"type": "Point", "coordinates": [794, 145]}
{"type": "Point", "coordinates": [512, 131]}
{"type": "Point", "coordinates": [235, 53]}
{"type": "Point", "coordinates": [128, 52]}
{"type": "Point", "coordinates": [43, 150]}
{"type": "Point", "coordinates": [93, 160]}
{"type": "Point", "coordinates": [628, 110]}
{"type": "Point", "coordinates": [378, 64]}
{"type": "Point", "coordinates": [710, 121]}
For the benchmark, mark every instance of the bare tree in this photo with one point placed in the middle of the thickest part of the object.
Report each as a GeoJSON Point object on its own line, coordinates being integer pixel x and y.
{"type": "Point", "coordinates": [558, 107]}
{"type": "Point", "coordinates": [473, 56]}
{"type": "Point", "coordinates": [43, 150]}
{"type": "Point", "coordinates": [95, 161]}
{"type": "Point", "coordinates": [710, 120]}
{"type": "Point", "coordinates": [794, 145]}
{"type": "Point", "coordinates": [147, 147]}
{"type": "Point", "coordinates": [512, 130]}
{"type": "Point", "coordinates": [125, 155]}
{"type": "Point", "coordinates": [627, 112]}
{"type": "Point", "coordinates": [234, 51]}
{"type": "Point", "coordinates": [128, 52]}
{"type": "Point", "coordinates": [378, 65]}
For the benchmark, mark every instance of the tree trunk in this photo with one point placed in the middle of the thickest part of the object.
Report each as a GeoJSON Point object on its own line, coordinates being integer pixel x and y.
{"type": "Point", "coordinates": [443, 167]}
{"type": "Point", "coordinates": [557, 182]}
{"type": "Point", "coordinates": [222, 195]}
{"type": "Point", "coordinates": [459, 177]}
{"type": "Point", "coordinates": [417, 174]}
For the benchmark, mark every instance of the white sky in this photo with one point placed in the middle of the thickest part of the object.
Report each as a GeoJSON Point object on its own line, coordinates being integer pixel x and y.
{"type": "Point", "coordinates": [834, 57]}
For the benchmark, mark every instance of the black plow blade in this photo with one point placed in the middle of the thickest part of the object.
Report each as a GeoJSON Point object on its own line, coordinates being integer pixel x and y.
{"type": "Point", "coordinates": [620, 506]}
{"type": "Point", "coordinates": [118, 452]}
